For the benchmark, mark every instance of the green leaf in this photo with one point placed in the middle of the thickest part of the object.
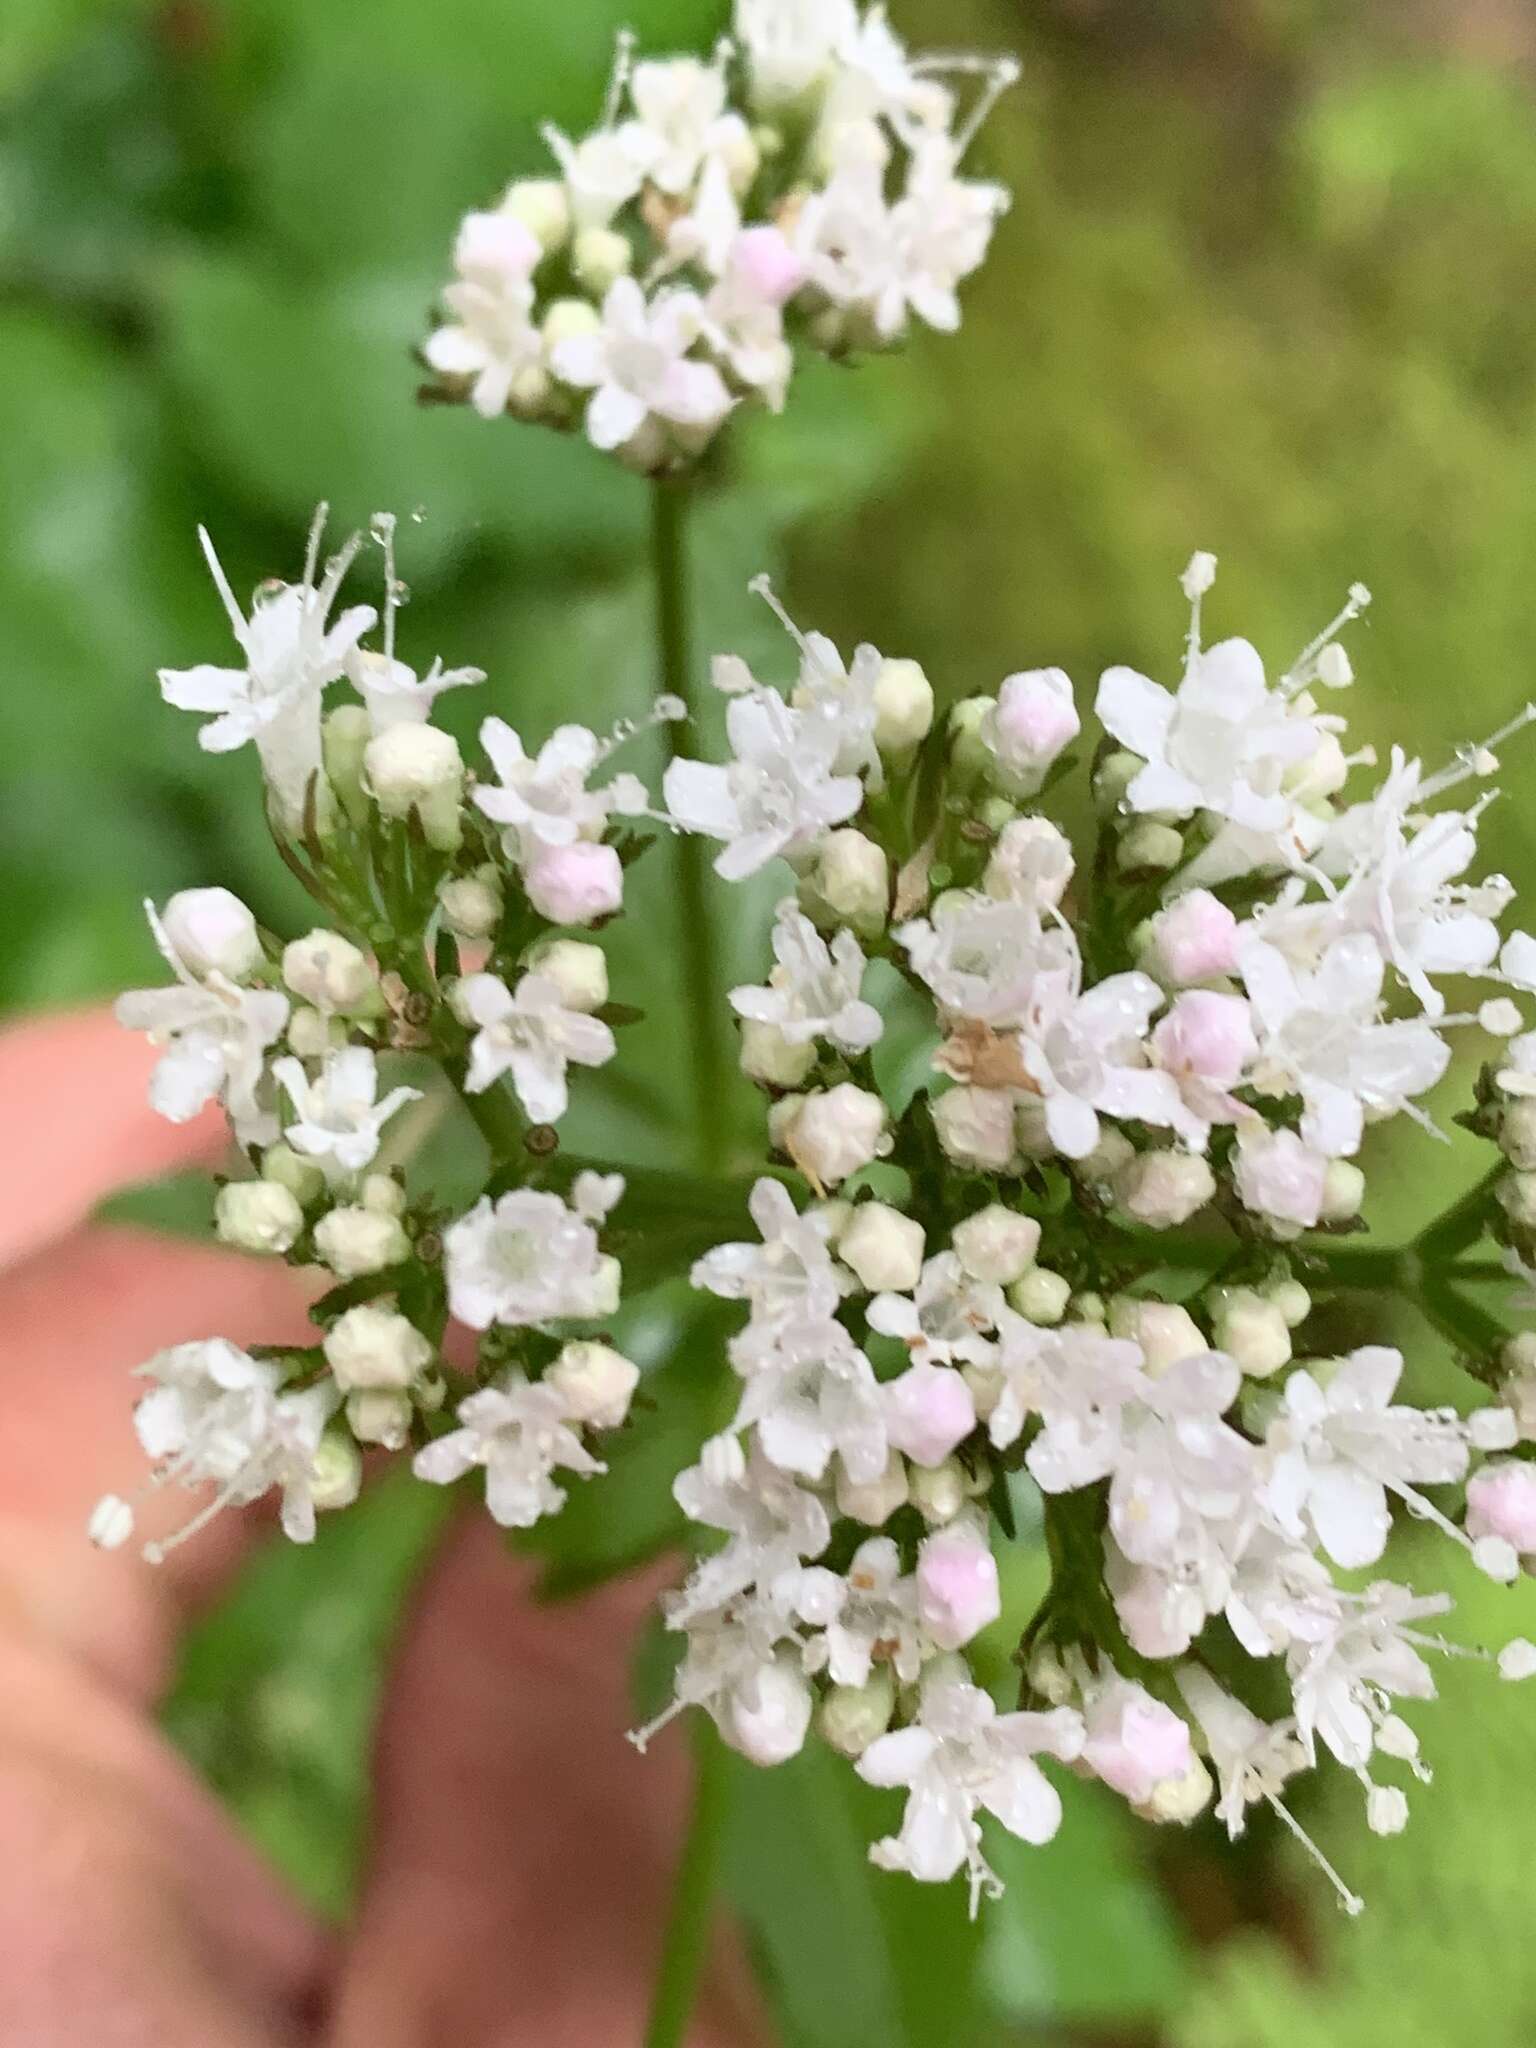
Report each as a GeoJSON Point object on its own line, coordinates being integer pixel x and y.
{"type": "Point", "coordinates": [177, 1205]}
{"type": "Point", "coordinates": [276, 1693]}
{"type": "Point", "coordinates": [903, 1056]}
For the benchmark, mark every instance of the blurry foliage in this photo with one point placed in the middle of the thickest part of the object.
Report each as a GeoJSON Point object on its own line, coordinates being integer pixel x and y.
{"type": "Point", "coordinates": [1265, 288]}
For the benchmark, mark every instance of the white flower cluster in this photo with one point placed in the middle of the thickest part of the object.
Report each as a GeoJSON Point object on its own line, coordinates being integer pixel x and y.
{"type": "Point", "coordinates": [802, 185]}
{"type": "Point", "coordinates": [1197, 1036]}
{"type": "Point", "coordinates": [456, 906]}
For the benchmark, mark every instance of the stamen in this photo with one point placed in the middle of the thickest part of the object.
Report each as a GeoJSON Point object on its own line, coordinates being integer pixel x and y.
{"type": "Point", "coordinates": [642, 1738]}
{"type": "Point", "coordinates": [618, 81]}
{"type": "Point", "coordinates": [1303, 668]}
{"type": "Point", "coordinates": [316, 535]}
{"type": "Point", "coordinates": [221, 584]}
{"type": "Point", "coordinates": [156, 1553]}
{"type": "Point", "coordinates": [1477, 762]}
{"type": "Point", "coordinates": [1352, 1902]}
{"type": "Point", "coordinates": [383, 529]}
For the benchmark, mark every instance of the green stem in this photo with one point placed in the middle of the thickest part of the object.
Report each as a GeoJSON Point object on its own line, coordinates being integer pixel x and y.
{"type": "Point", "coordinates": [685, 1948]}
{"type": "Point", "coordinates": [702, 995]}
{"type": "Point", "coordinates": [1463, 1224]}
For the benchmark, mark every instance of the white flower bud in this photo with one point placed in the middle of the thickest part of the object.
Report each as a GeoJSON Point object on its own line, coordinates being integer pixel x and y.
{"type": "Point", "coordinates": [1292, 1300]}
{"type": "Point", "coordinates": [257, 1216]}
{"type": "Point", "coordinates": [356, 1241]}
{"type": "Point", "coordinates": [375, 1347]}
{"type": "Point", "coordinates": [111, 1522]}
{"type": "Point", "coordinates": [577, 968]}
{"type": "Point", "coordinates": [1167, 1333]}
{"type": "Point", "coordinates": [975, 1126]}
{"type": "Point", "coordinates": [543, 206]}
{"type": "Point", "coordinates": [336, 1476]}
{"type": "Point", "coordinates": [284, 1167]}
{"type": "Point", "coordinates": [853, 878]}
{"type": "Point", "coordinates": [312, 1035]}
{"type": "Point", "coordinates": [1041, 1296]}
{"type": "Point", "coordinates": [1321, 775]}
{"type": "Point", "coordinates": [874, 1501]}
{"type": "Point", "coordinates": [1164, 1189]}
{"type": "Point", "coordinates": [603, 1297]}
{"type": "Point", "coordinates": [1109, 1157]}
{"type": "Point", "coordinates": [1343, 1192]}
{"type": "Point", "coordinates": [997, 1244]}
{"type": "Point", "coordinates": [383, 1194]}
{"type": "Point", "coordinates": [595, 1382]}
{"type": "Point", "coordinates": [836, 1214]}
{"type": "Point", "coordinates": [329, 972]}
{"type": "Point", "coordinates": [1251, 1330]}
{"type": "Point", "coordinates": [771, 1058]}
{"type": "Point", "coordinates": [600, 258]}
{"type": "Point", "coordinates": [570, 320]}
{"type": "Point", "coordinates": [1517, 1134]}
{"type": "Point", "coordinates": [1149, 848]}
{"type": "Point", "coordinates": [1178, 1801]}
{"type": "Point", "coordinates": [344, 740]}
{"type": "Point", "coordinates": [938, 1491]}
{"type": "Point", "coordinates": [1036, 720]}
{"type": "Point", "coordinates": [766, 1719]}
{"type": "Point", "coordinates": [376, 1415]}
{"type": "Point", "coordinates": [1088, 1307]}
{"type": "Point", "coordinates": [1031, 863]}
{"type": "Point", "coordinates": [851, 1717]}
{"type": "Point", "coordinates": [883, 1248]}
{"type": "Point", "coordinates": [212, 933]}
{"type": "Point", "coordinates": [1113, 777]}
{"type": "Point", "coordinates": [472, 904]}
{"type": "Point", "coordinates": [903, 707]}
{"type": "Point", "coordinates": [418, 768]}
{"type": "Point", "coordinates": [1516, 1194]}
{"type": "Point", "coordinates": [1334, 668]}
{"type": "Point", "coordinates": [986, 1383]}
{"type": "Point", "coordinates": [835, 1132]}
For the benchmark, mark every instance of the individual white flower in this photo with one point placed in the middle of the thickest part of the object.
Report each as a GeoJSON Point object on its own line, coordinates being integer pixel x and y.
{"type": "Point", "coordinates": [492, 343]}
{"type": "Point", "coordinates": [639, 368]}
{"type": "Point", "coordinates": [774, 1524]}
{"type": "Point", "coordinates": [216, 1416]}
{"type": "Point", "coordinates": [1252, 1759]}
{"type": "Point", "coordinates": [291, 654]}
{"type": "Point", "coordinates": [811, 1394]}
{"type": "Point", "coordinates": [813, 991]}
{"type": "Point", "coordinates": [1080, 1383]}
{"type": "Point", "coordinates": [215, 1036]}
{"type": "Point", "coordinates": [791, 1276]}
{"type": "Point", "coordinates": [791, 46]}
{"type": "Point", "coordinates": [948, 1317]}
{"type": "Point", "coordinates": [521, 1433]}
{"type": "Point", "coordinates": [1337, 1450]}
{"type": "Point", "coordinates": [602, 173]}
{"type": "Point", "coordinates": [870, 1614]}
{"type": "Point", "coordinates": [960, 1757]}
{"type": "Point", "coordinates": [1222, 742]}
{"type": "Point", "coordinates": [1032, 863]}
{"type": "Point", "coordinates": [395, 694]}
{"type": "Point", "coordinates": [340, 1118]}
{"type": "Point", "coordinates": [779, 795]}
{"type": "Point", "coordinates": [1085, 1056]}
{"type": "Point", "coordinates": [1345, 1682]}
{"type": "Point", "coordinates": [681, 121]}
{"type": "Point", "coordinates": [531, 1035]}
{"type": "Point", "coordinates": [542, 801]}
{"type": "Point", "coordinates": [1320, 1037]}
{"type": "Point", "coordinates": [1182, 1491]}
{"type": "Point", "coordinates": [991, 961]}
{"type": "Point", "coordinates": [524, 1259]}
{"type": "Point", "coordinates": [942, 227]}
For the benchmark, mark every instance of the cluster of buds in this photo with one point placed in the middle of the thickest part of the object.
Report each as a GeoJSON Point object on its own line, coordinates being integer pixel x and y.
{"type": "Point", "coordinates": [460, 913]}
{"type": "Point", "coordinates": [802, 186]}
{"type": "Point", "coordinates": [1192, 1037]}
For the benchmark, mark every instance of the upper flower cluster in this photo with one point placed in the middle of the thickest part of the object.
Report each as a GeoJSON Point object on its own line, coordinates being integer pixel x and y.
{"type": "Point", "coordinates": [802, 185]}
{"type": "Point", "coordinates": [1194, 1032]}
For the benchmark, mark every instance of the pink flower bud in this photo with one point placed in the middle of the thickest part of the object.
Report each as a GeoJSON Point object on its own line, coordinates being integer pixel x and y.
{"type": "Point", "coordinates": [1195, 939]}
{"type": "Point", "coordinates": [575, 884]}
{"type": "Point", "coordinates": [928, 1411]}
{"type": "Point", "coordinates": [957, 1589]}
{"type": "Point", "coordinates": [763, 260]}
{"type": "Point", "coordinates": [497, 247]}
{"type": "Point", "coordinates": [1036, 719]}
{"type": "Point", "coordinates": [1501, 1501]}
{"type": "Point", "coordinates": [1277, 1176]}
{"type": "Point", "coordinates": [1135, 1743]}
{"type": "Point", "coordinates": [1208, 1037]}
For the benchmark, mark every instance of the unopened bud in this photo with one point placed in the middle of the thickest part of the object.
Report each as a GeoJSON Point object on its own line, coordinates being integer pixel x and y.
{"type": "Point", "coordinates": [212, 932]}
{"type": "Point", "coordinates": [997, 1244]}
{"type": "Point", "coordinates": [375, 1347]}
{"type": "Point", "coordinates": [111, 1522]}
{"type": "Point", "coordinates": [957, 1586]}
{"type": "Point", "coordinates": [375, 1415]}
{"type": "Point", "coordinates": [544, 208]}
{"type": "Point", "coordinates": [472, 903]}
{"type": "Point", "coordinates": [853, 878]}
{"type": "Point", "coordinates": [903, 699]}
{"type": "Point", "coordinates": [1031, 863]}
{"type": "Point", "coordinates": [874, 1501]}
{"type": "Point", "coordinates": [383, 1194]}
{"type": "Point", "coordinates": [354, 1241]}
{"type": "Point", "coordinates": [1165, 1189]}
{"type": "Point", "coordinates": [328, 971]}
{"type": "Point", "coordinates": [1251, 1330]}
{"type": "Point", "coordinates": [1175, 1802]}
{"type": "Point", "coordinates": [286, 1168]}
{"type": "Point", "coordinates": [976, 1128]}
{"type": "Point", "coordinates": [851, 1717]}
{"type": "Point", "coordinates": [1343, 1192]}
{"type": "Point", "coordinates": [939, 1492]}
{"type": "Point", "coordinates": [595, 1382]}
{"type": "Point", "coordinates": [836, 1132]}
{"type": "Point", "coordinates": [767, 1056]}
{"type": "Point", "coordinates": [1035, 722]}
{"type": "Point", "coordinates": [344, 741]}
{"type": "Point", "coordinates": [257, 1216]}
{"type": "Point", "coordinates": [1041, 1296]}
{"type": "Point", "coordinates": [928, 1412]}
{"type": "Point", "coordinates": [766, 1719]}
{"type": "Point", "coordinates": [1194, 940]}
{"type": "Point", "coordinates": [578, 969]}
{"type": "Point", "coordinates": [575, 885]}
{"type": "Point", "coordinates": [1149, 848]}
{"type": "Point", "coordinates": [336, 1475]}
{"type": "Point", "coordinates": [418, 769]}
{"type": "Point", "coordinates": [311, 1034]}
{"type": "Point", "coordinates": [883, 1248]}
{"type": "Point", "coordinates": [1166, 1332]}
{"type": "Point", "coordinates": [600, 258]}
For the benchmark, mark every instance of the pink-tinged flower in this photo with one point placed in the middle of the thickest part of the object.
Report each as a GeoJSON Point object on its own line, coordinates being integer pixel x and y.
{"type": "Point", "coordinates": [1195, 939]}
{"type": "Point", "coordinates": [929, 1411]}
{"type": "Point", "coordinates": [575, 885]}
{"type": "Point", "coordinates": [957, 1586]}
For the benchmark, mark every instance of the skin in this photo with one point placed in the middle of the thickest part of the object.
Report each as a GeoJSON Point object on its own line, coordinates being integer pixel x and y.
{"type": "Point", "coordinates": [522, 1854]}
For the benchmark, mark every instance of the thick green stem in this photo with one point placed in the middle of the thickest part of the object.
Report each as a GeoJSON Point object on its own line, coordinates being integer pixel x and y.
{"type": "Point", "coordinates": [701, 992]}
{"type": "Point", "coordinates": [1464, 1223]}
{"type": "Point", "coordinates": [685, 1949]}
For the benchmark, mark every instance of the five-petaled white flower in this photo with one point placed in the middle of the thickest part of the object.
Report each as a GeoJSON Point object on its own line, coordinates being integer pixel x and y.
{"type": "Point", "coordinates": [779, 795]}
{"type": "Point", "coordinates": [813, 992]}
{"type": "Point", "coordinates": [339, 1117]}
{"type": "Point", "coordinates": [395, 694]}
{"type": "Point", "coordinates": [521, 1432]}
{"type": "Point", "coordinates": [543, 800]}
{"type": "Point", "coordinates": [528, 1259]}
{"type": "Point", "coordinates": [639, 368]}
{"type": "Point", "coordinates": [531, 1035]}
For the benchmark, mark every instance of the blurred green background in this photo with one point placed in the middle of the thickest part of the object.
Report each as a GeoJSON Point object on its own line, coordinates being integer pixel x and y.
{"type": "Point", "coordinates": [1267, 288]}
